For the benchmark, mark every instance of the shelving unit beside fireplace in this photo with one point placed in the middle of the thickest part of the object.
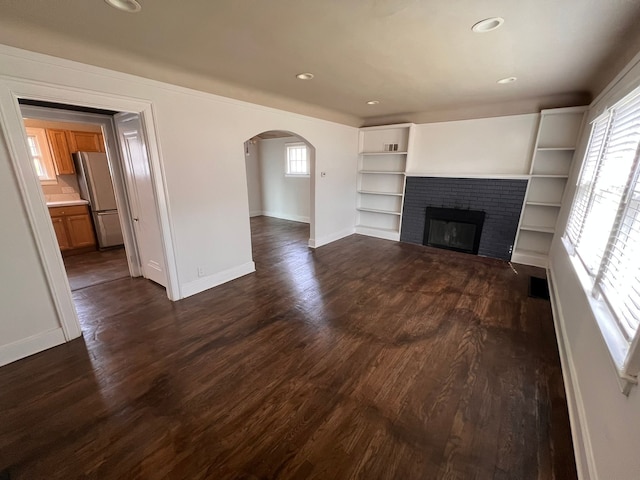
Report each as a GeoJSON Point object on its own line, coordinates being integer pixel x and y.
{"type": "Point", "coordinates": [381, 179]}
{"type": "Point", "coordinates": [550, 167]}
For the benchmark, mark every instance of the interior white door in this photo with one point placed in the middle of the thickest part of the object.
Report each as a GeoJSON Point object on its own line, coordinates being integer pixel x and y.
{"type": "Point", "coordinates": [142, 198]}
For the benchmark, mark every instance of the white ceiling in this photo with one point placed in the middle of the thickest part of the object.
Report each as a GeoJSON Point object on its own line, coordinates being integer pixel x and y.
{"type": "Point", "coordinates": [415, 56]}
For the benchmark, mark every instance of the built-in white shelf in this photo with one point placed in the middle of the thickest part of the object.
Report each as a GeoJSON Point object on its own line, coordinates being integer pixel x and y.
{"type": "Point", "coordinates": [549, 176]}
{"type": "Point", "coordinates": [377, 210]}
{"type": "Point", "coordinates": [551, 162]}
{"type": "Point", "coordinates": [534, 228]}
{"type": "Point", "coordinates": [384, 151]}
{"type": "Point", "coordinates": [544, 204]}
{"type": "Point", "coordinates": [553, 149]}
{"type": "Point", "coordinates": [369, 154]}
{"type": "Point", "coordinates": [372, 192]}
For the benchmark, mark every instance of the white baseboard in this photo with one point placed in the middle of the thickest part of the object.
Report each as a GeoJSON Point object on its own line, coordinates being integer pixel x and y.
{"type": "Point", "coordinates": [205, 283]}
{"type": "Point", "coordinates": [286, 216]}
{"type": "Point", "coordinates": [256, 213]}
{"type": "Point", "coordinates": [318, 242]}
{"type": "Point", "coordinates": [30, 345]}
{"type": "Point", "coordinates": [583, 451]}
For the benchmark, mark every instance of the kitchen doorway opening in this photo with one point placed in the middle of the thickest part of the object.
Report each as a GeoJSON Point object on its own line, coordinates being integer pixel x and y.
{"type": "Point", "coordinates": [280, 169]}
{"type": "Point", "coordinates": [95, 177]}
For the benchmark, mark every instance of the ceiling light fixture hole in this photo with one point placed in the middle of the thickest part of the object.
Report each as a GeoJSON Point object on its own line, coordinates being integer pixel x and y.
{"type": "Point", "coordinates": [488, 25]}
{"type": "Point", "coordinates": [504, 81]}
{"type": "Point", "coordinates": [304, 76]}
{"type": "Point", "coordinates": [129, 6]}
{"type": "Point", "coordinates": [373, 102]}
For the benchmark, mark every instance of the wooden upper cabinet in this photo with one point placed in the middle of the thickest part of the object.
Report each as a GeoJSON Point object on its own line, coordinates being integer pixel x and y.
{"type": "Point", "coordinates": [60, 151]}
{"type": "Point", "coordinates": [85, 141]}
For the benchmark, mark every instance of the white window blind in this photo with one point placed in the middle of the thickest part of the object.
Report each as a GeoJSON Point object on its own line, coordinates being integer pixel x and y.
{"type": "Point", "coordinates": [604, 223]}
{"type": "Point", "coordinates": [619, 278]}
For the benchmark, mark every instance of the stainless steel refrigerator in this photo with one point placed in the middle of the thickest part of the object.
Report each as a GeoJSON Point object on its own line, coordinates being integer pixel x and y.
{"type": "Point", "coordinates": [96, 186]}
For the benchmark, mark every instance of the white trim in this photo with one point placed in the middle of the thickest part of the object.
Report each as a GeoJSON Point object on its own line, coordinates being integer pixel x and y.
{"type": "Point", "coordinates": [256, 213]}
{"type": "Point", "coordinates": [507, 176]}
{"type": "Point", "coordinates": [388, 127]}
{"type": "Point", "coordinates": [22, 88]}
{"type": "Point", "coordinates": [205, 283]}
{"type": "Point", "coordinates": [583, 450]}
{"type": "Point", "coordinates": [315, 243]}
{"type": "Point", "coordinates": [37, 214]}
{"type": "Point", "coordinates": [564, 110]}
{"type": "Point", "coordinates": [85, 68]}
{"type": "Point", "coordinates": [616, 80]}
{"type": "Point", "coordinates": [286, 216]}
{"type": "Point", "coordinates": [31, 345]}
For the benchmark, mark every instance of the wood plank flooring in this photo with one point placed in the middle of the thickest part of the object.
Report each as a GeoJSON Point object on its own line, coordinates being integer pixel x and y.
{"type": "Point", "coordinates": [92, 268]}
{"type": "Point", "coordinates": [362, 359]}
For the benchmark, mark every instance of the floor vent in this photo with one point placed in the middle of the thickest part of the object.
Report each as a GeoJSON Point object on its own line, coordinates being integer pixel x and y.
{"type": "Point", "coordinates": [538, 288]}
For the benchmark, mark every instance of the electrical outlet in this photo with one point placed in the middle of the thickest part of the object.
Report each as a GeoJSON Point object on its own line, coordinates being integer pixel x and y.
{"type": "Point", "coordinates": [200, 271]}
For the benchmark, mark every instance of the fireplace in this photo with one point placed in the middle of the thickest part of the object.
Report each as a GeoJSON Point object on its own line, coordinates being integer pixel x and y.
{"type": "Point", "coordinates": [453, 229]}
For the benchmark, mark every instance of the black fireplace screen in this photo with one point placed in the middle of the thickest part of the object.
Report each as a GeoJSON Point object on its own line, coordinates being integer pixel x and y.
{"type": "Point", "coordinates": [453, 229]}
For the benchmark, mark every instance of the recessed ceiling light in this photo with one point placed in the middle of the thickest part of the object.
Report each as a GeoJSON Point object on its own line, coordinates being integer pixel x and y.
{"type": "Point", "coordinates": [304, 76]}
{"type": "Point", "coordinates": [373, 102]}
{"type": "Point", "coordinates": [487, 25]}
{"type": "Point", "coordinates": [130, 6]}
{"type": "Point", "coordinates": [502, 81]}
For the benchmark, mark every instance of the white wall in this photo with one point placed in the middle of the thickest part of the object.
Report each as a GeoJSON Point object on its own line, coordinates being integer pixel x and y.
{"type": "Point", "coordinates": [282, 197]}
{"type": "Point", "coordinates": [27, 315]}
{"type": "Point", "coordinates": [610, 421]}
{"type": "Point", "coordinates": [200, 140]}
{"type": "Point", "coordinates": [254, 178]}
{"type": "Point", "coordinates": [500, 145]}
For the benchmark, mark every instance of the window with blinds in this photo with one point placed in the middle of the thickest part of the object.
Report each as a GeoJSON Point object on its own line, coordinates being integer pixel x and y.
{"type": "Point", "coordinates": [297, 159]}
{"type": "Point", "coordinates": [604, 222]}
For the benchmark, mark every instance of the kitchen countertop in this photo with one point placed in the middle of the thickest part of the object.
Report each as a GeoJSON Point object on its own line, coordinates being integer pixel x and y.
{"type": "Point", "coordinates": [67, 203]}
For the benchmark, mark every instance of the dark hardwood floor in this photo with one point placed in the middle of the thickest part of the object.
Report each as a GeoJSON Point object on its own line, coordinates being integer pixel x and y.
{"type": "Point", "coordinates": [92, 268]}
{"type": "Point", "coordinates": [362, 359]}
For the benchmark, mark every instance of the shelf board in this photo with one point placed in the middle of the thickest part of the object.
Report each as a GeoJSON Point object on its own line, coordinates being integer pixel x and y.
{"type": "Point", "coordinates": [382, 153]}
{"type": "Point", "coordinates": [536, 228]}
{"type": "Point", "coordinates": [542, 175]}
{"type": "Point", "coordinates": [545, 204]}
{"type": "Point", "coordinates": [380, 172]}
{"type": "Point", "coordinates": [386, 233]}
{"type": "Point", "coordinates": [530, 257]}
{"type": "Point", "coordinates": [547, 149]}
{"type": "Point", "coordinates": [371, 192]}
{"type": "Point", "coordinates": [376, 210]}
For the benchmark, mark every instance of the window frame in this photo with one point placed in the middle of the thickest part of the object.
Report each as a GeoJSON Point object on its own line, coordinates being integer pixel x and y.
{"type": "Point", "coordinates": [46, 158]}
{"type": "Point", "coordinates": [287, 160]}
{"type": "Point", "coordinates": [624, 351]}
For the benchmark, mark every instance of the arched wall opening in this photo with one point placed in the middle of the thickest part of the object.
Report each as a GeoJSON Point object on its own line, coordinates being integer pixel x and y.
{"type": "Point", "coordinates": [280, 167]}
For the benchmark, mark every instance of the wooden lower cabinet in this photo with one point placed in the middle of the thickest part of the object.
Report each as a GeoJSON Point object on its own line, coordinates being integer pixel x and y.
{"type": "Point", "coordinates": [61, 233]}
{"type": "Point", "coordinates": [74, 229]}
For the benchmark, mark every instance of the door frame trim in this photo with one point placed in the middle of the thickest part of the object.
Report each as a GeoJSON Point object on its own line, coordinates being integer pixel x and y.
{"type": "Point", "coordinates": [116, 162]}
{"type": "Point", "coordinates": [12, 128]}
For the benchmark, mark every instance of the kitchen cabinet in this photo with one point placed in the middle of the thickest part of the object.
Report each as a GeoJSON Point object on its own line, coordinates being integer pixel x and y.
{"type": "Point", "coordinates": [85, 141]}
{"type": "Point", "coordinates": [73, 228]}
{"type": "Point", "coordinates": [60, 151]}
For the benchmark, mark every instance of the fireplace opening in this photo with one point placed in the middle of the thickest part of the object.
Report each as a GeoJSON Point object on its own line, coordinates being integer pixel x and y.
{"type": "Point", "coordinates": [453, 229]}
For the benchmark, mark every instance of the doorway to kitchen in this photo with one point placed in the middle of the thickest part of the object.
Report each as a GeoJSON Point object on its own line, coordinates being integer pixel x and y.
{"type": "Point", "coordinates": [94, 173]}
{"type": "Point", "coordinates": [280, 168]}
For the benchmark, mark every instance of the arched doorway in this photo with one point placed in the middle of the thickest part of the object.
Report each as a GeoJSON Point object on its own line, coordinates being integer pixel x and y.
{"type": "Point", "coordinates": [280, 168]}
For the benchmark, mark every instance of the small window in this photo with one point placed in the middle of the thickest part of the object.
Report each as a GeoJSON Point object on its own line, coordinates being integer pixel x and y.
{"type": "Point", "coordinates": [297, 160]}
{"type": "Point", "coordinates": [39, 151]}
